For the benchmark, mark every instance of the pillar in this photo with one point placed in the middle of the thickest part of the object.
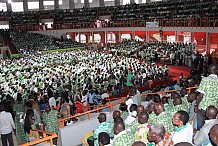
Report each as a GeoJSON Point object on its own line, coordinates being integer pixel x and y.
{"type": "Point", "coordinates": [79, 37]}
{"type": "Point", "coordinates": [133, 35]}
{"type": "Point", "coordinates": [25, 5]}
{"type": "Point", "coordinates": [132, 1]}
{"type": "Point", "coordinates": [56, 4]}
{"type": "Point", "coordinates": [207, 43]}
{"type": "Point", "coordinates": [105, 34]}
{"type": "Point", "coordinates": [147, 36]}
{"type": "Point", "coordinates": [87, 37]}
{"type": "Point", "coordinates": [86, 3]}
{"type": "Point", "coordinates": [71, 4]}
{"type": "Point", "coordinates": [101, 3]}
{"type": "Point", "coordinates": [192, 37]}
{"type": "Point", "coordinates": [9, 8]}
{"type": "Point", "coordinates": [41, 6]}
{"type": "Point", "coordinates": [93, 37]}
{"type": "Point", "coordinates": [73, 36]}
{"type": "Point", "coordinates": [117, 2]}
{"type": "Point", "coordinates": [102, 38]}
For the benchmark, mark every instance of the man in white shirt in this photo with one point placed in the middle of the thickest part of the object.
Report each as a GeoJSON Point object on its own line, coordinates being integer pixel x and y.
{"type": "Point", "coordinates": [6, 127]}
{"type": "Point", "coordinates": [132, 115]}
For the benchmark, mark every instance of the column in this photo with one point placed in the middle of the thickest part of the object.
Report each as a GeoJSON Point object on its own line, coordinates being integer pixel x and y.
{"type": "Point", "coordinates": [9, 8]}
{"type": "Point", "coordinates": [147, 36]}
{"type": "Point", "coordinates": [25, 5]}
{"type": "Point", "coordinates": [105, 34]}
{"type": "Point", "coordinates": [192, 37]}
{"type": "Point", "coordinates": [71, 4]}
{"type": "Point", "coordinates": [93, 38]}
{"type": "Point", "coordinates": [117, 2]}
{"type": "Point", "coordinates": [133, 35]}
{"type": "Point", "coordinates": [101, 3]}
{"type": "Point", "coordinates": [176, 36]}
{"type": "Point", "coordinates": [207, 43]}
{"type": "Point", "coordinates": [56, 4]}
{"type": "Point", "coordinates": [79, 37]}
{"type": "Point", "coordinates": [41, 5]}
{"type": "Point", "coordinates": [86, 3]}
{"type": "Point", "coordinates": [132, 1]}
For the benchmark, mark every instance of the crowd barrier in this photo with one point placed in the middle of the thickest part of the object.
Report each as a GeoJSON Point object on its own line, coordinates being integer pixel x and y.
{"type": "Point", "coordinates": [48, 136]}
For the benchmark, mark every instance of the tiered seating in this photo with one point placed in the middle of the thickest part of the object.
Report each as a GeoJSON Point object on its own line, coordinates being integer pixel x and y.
{"type": "Point", "coordinates": [32, 42]}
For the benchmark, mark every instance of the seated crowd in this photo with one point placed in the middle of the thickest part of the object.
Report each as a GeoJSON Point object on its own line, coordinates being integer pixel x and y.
{"type": "Point", "coordinates": [53, 82]}
{"type": "Point", "coordinates": [165, 121]}
{"type": "Point", "coordinates": [28, 43]}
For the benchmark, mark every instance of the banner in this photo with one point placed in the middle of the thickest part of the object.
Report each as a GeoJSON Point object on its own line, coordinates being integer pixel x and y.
{"type": "Point", "coordinates": [152, 24]}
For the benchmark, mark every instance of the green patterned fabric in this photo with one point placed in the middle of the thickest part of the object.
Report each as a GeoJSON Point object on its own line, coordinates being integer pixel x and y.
{"type": "Point", "coordinates": [209, 87]}
{"type": "Point", "coordinates": [152, 116]}
{"type": "Point", "coordinates": [124, 115]}
{"type": "Point", "coordinates": [125, 138]}
{"type": "Point", "coordinates": [51, 121]}
{"type": "Point", "coordinates": [165, 119]}
{"type": "Point", "coordinates": [134, 126]}
{"type": "Point", "coordinates": [20, 134]}
{"type": "Point", "coordinates": [103, 127]}
{"type": "Point", "coordinates": [142, 132]}
{"type": "Point", "coordinates": [186, 104]}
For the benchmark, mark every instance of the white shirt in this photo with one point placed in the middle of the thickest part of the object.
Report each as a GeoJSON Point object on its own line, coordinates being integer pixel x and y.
{"type": "Point", "coordinates": [6, 123]}
{"type": "Point", "coordinates": [130, 118]}
{"type": "Point", "coordinates": [183, 134]}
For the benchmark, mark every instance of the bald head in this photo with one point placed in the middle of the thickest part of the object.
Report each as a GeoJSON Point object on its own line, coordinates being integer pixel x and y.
{"type": "Point", "coordinates": [116, 114]}
{"type": "Point", "coordinates": [214, 134]}
{"type": "Point", "coordinates": [177, 101]}
{"type": "Point", "coordinates": [140, 108]}
{"type": "Point", "coordinates": [211, 112]}
{"type": "Point", "coordinates": [138, 143]}
{"type": "Point", "coordinates": [102, 117]}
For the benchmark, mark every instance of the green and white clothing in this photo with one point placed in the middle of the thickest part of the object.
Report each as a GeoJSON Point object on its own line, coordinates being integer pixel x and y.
{"type": "Point", "coordinates": [209, 87]}
{"type": "Point", "coordinates": [103, 127]}
{"type": "Point", "coordinates": [51, 121]}
{"type": "Point", "coordinates": [124, 138]}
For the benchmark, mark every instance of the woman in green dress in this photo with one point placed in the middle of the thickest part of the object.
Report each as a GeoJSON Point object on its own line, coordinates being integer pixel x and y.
{"type": "Point", "coordinates": [18, 111]}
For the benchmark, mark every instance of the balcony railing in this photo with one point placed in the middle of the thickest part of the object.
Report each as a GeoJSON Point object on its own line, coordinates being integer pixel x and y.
{"type": "Point", "coordinates": [204, 22]}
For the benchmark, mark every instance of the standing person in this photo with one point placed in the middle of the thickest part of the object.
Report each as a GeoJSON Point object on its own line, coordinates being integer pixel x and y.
{"type": "Point", "coordinates": [208, 89]}
{"type": "Point", "coordinates": [18, 110]}
{"type": "Point", "coordinates": [6, 127]}
{"type": "Point", "coordinates": [214, 134]}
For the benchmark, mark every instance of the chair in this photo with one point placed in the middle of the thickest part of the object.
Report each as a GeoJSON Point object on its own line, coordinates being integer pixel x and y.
{"type": "Point", "coordinates": [86, 136]}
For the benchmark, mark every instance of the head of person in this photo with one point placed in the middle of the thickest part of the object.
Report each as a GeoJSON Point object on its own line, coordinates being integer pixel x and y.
{"type": "Point", "coordinates": [183, 144]}
{"type": "Point", "coordinates": [180, 118]}
{"type": "Point", "coordinates": [183, 92]}
{"type": "Point", "coordinates": [133, 107]}
{"type": "Point", "coordinates": [143, 117]}
{"type": "Point", "coordinates": [119, 127]}
{"type": "Point", "coordinates": [165, 100]}
{"type": "Point", "coordinates": [103, 139]}
{"type": "Point", "coordinates": [102, 117]}
{"type": "Point", "coordinates": [177, 101]}
{"type": "Point", "coordinates": [156, 133]}
{"type": "Point", "coordinates": [158, 108]}
{"type": "Point", "coordinates": [211, 112]}
{"type": "Point", "coordinates": [118, 119]}
{"type": "Point", "coordinates": [192, 97]}
{"type": "Point", "coordinates": [123, 107]}
{"type": "Point", "coordinates": [62, 100]}
{"type": "Point", "coordinates": [213, 69]}
{"type": "Point", "coordinates": [2, 108]}
{"type": "Point", "coordinates": [138, 143]}
{"type": "Point", "coordinates": [140, 108]}
{"type": "Point", "coordinates": [116, 114]}
{"type": "Point", "coordinates": [157, 98]}
{"type": "Point", "coordinates": [214, 134]}
{"type": "Point", "coordinates": [150, 108]}
{"type": "Point", "coordinates": [175, 95]}
{"type": "Point", "coordinates": [47, 108]}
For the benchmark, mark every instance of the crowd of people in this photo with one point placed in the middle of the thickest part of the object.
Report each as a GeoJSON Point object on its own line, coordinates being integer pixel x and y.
{"type": "Point", "coordinates": [179, 118]}
{"type": "Point", "coordinates": [53, 82]}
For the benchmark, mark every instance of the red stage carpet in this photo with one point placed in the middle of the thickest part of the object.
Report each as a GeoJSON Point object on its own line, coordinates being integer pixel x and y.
{"type": "Point", "coordinates": [175, 71]}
